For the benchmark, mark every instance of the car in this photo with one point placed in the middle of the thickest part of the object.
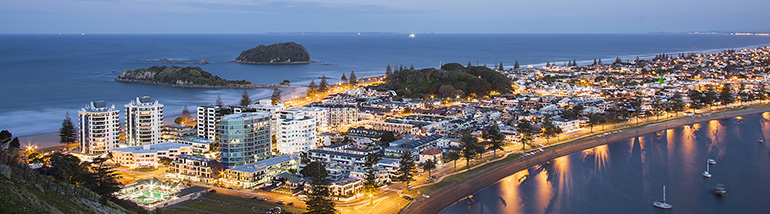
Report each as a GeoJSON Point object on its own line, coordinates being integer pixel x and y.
{"type": "Point", "coordinates": [279, 202]}
{"type": "Point", "coordinates": [261, 199]}
{"type": "Point", "coordinates": [254, 198]}
{"type": "Point", "coordinates": [409, 186]}
{"type": "Point", "coordinates": [406, 197]}
{"type": "Point", "coordinates": [290, 204]}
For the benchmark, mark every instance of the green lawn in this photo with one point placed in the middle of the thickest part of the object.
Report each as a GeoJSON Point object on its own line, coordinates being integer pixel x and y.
{"type": "Point", "coordinates": [217, 207]}
{"type": "Point", "coordinates": [179, 211]}
{"type": "Point", "coordinates": [254, 203]}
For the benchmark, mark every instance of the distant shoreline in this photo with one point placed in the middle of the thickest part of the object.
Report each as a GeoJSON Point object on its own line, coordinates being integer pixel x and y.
{"type": "Point", "coordinates": [445, 197]}
{"type": "Point", "coordinates": [232, 86]}
{"type": "Point", "coordinates": [273, 63]}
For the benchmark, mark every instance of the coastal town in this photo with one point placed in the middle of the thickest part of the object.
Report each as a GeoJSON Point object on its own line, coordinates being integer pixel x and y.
{"type": "Point", "coordinates": [384, 144]}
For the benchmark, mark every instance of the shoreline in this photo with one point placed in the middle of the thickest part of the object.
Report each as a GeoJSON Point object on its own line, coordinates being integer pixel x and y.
{"type": "Point", "coordinates": [447, 196]}
{"type": "Point", "coordinates": [232, 86]}
{"type": "Point", "coordinates": [272, 63]}
{"type": "Point", "coordinates": [51, 139]}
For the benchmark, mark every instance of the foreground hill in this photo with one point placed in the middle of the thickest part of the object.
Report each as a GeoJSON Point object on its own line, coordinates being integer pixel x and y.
{"type": "Point", "coordinates": [279, 53]}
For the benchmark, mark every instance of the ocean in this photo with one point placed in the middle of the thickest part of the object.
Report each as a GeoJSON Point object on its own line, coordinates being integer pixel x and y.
{"type": "Point", "coordinates": [46, 76]}
{"type": "Point", "coordinates": [628, 176]}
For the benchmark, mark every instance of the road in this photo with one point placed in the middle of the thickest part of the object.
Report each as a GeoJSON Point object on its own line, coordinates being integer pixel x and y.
{"type": "Point", "coordinates": [445, 197]}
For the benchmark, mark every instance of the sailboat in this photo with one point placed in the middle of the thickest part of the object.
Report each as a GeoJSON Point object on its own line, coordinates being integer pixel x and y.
{"type": "Point", "coordinates": [712, 161]}
{"type": "Point", "coordinates": [706, 173]}
{"type": "Point", "coordinates": [662, 204]}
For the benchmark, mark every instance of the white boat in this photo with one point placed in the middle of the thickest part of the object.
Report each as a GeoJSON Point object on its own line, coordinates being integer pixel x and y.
{"type": "Point", "coordinates": [706, 173]}
{"type": "Point", "coordinates": [712, 161]}
{"type": "Point", "coordinates": [411, 35]}
{"type": "Point", "coordinates": [720, 189]}
{"type": "Point", "coordinates": [662, 204]}
{"type": "Point", "coordinates": [761, 140]}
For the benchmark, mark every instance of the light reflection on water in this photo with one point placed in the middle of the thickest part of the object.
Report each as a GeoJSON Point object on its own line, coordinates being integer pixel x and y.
{"type": "Point", "coordinates": [626, 176]}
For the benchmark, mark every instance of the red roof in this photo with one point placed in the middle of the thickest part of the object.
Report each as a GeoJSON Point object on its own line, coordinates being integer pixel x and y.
{"type": "Point", "coordinates": [432, 151]}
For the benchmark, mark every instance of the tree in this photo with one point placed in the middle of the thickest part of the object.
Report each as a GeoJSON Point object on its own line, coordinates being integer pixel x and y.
{"type": "Point", "coordinates": [677, 104]}
{"type": "Point", "coordinates": [593, 119]}
{"type": "Point", "coordinates": [165, 161]}
{"type": "Point", "coordinates": [549, 129]}
{"type": "Point", "coordinates": [388, 70]}
{"type": "Point", "coordinates": [276, 97]}
{"type": "Point", "coordinates": [594, 62]}
{"type": "Point", "coordinates": [547, 64]}
{"type": "Point", "coordinates": [353, 79]}
{"type": "Point", "coordinates": [187, 116]}
{"type": "Point", "coordinates": [371, 186]}
{"type": "Point", "coordinates": [344, 79]}
{"type": "Point", "coordinates": [618, 61]}
{"type": "Point", "coordinates": [323, 86]}
{"type": "Point", "coordinates": [386, 138]}
{"type": "Point", "coordinates": [710, 98]}
{"type": "Point", "coordinates": [574, 62]}
{"type": "Point", "coordinates": [219, 101]}
{"type": "Point", "coordinates": [405, 173]}
{"type": "Point", "coordinates": [501, 66]}
{"type": "Point", "coordinates": [319, 196]}
{"type": "Point", "coordinates": [411, 67]}
{"type": "Point", "coordinates": [67, 133]}
{"type": "Point", "coordinates": [726, 95]}
{"type": "Point", "coordinates": [429, 166]}
{"type": "Point", "coordinates": [496, 139]}
{"type": "Point", "coordinates": [525, 131]}
{"type": "Point", "coordinates": [453, 156]}
{"type": "Point", "coordinates": [516, 65]}
{"type": "Point", "coordinates": [245, 99]}
{"type": "Point", "coordinates": [312, 88]}
{"type": "Point", "coordinates": [468, 147]}
{"type": "Point", "coordinates": [6, 138]}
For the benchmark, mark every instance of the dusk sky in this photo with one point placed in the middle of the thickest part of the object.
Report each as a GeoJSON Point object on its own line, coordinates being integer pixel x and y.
{"type": "Point", "coordinates": [404, 16]}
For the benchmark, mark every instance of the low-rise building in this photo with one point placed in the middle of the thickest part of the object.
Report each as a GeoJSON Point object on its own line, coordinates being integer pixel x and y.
{"type": "Point", "coordinates": [175, 132]}
{"type": "Point", "coordinates": [196, 169]}
{"type": "Point", "coordinates": [148, 155]}
{"type": "Point", "coordinates": [199, 145]}
{"type": "Point", "coordinates": [253, 174]}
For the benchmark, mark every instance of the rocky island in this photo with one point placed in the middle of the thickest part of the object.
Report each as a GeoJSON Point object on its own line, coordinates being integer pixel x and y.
{"type": "Point", "coordinates": [275, 54]}
{"type": "Point", "coordinates": [185, 77]}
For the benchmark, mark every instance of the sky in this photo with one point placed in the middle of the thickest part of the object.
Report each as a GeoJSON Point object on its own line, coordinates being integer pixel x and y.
{"type": "Point", "coordinates": [401, 16]}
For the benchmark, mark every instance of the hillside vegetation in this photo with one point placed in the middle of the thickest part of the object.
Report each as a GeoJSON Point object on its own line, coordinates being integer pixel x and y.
{"type": "Point", "coordinates": [452, 80]}
{"type": "Point", "coordinates": [279, 53]}
{"type": "Point", "coordinates": [176, 75]}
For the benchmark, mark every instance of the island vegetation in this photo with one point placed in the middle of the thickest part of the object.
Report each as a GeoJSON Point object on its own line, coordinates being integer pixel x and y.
{"type": "Point", "coordinates": [178, 76]}
{"type": "Point", "coordinates": [451, 81]}
{"type": "Point", "coordinates": [279, 53]}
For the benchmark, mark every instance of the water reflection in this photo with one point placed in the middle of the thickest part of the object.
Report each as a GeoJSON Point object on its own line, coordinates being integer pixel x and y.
{"type": "Point", "coordinates": [597, 181]}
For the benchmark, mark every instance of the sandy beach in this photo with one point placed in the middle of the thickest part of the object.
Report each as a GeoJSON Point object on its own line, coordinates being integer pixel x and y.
{"type": "Point", "coordinates": [51, 139]}
{"type": "Point", "coordinates": [451, 194]}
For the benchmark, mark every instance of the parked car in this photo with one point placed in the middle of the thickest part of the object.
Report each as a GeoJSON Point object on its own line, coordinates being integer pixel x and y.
{"type": "Point", "coordinates": [279, 202]}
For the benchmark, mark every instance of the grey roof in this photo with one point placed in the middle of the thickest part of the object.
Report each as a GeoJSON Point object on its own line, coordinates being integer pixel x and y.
{"type": "Point", "coordinates": [194, 158]}
{"type": "Point", "coordinates": [153, 148]}
{"type": "Point", "coordinates": [356, 156]}
{"type": "Point", "coordinates": [263, 164]}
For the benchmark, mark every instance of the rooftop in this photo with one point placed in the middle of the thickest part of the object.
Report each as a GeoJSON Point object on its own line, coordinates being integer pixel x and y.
{"type": "Point", "coordinates": [263, 164]}
{"type": "Point", "coordinates": [153, 148]}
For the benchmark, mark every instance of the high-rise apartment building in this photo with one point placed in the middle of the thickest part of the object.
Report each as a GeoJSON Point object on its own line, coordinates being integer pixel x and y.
{"type": "Point", "coordinates": [99, 127]}
{"type": "Point", "coordinates": [144, 121]}
{"type": "Point", "coordinates": [244, 138]}
{"type": "Point", "coordinates": [296, 133]}
{"type": "Point", "coordinates": [209, 117]}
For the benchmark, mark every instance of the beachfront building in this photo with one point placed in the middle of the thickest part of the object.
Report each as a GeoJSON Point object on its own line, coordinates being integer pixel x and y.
{"type": "Point", "coordinates": [397, 128]}
{"type": "Point", "coordinates": [296, 133]}
{"type": "Point", "coordinates": [266, 105]}
{"type": "Point", "coordinates": [244, 138]}
{"type": "Point", "coordinates": [200, 146]}
{"type": "Point", "coordinates": [174, 132]}
{"type": "Point", "coordinates": [144, 121]}
{"type": "Point", "coordinates": [196, 169]}
{"type": "Point", "coordinates": [320, 115]}
{"type": "Point", "coordinates": [254, 174]}
{"type": "Point", "coordinates": [148, 155]}
{"type": "Point", "coordinates": [340, 116]}
{"type": "Point", "coordinates": [209, 117]}
{"type": "Point", "coordinates": [99, 130]}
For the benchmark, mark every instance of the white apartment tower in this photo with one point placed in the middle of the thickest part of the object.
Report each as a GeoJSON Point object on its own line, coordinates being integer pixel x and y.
{"type": "Point", "coordinates": [144, 121]}
{"type": "Point", "coordinates": [99, 127]}
{"type": "Point", "coordinates": [296, 133]}
{"type": "Point", "coordinates": [209, 117]}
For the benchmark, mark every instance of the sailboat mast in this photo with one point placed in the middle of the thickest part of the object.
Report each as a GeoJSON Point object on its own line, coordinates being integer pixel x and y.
{"type": "Point", "coordinates": [664, 193]}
